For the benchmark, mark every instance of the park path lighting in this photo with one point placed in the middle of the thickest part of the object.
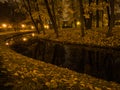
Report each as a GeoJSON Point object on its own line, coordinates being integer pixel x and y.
{"type": "Point", "coordinates": [32, 27]}
{"type": "Point", "coordinates": [4, 25]}
{"type": "Point", "coordinates": [46, 26]}
{"type": "Point", "coordinates": [78, 23]}
{"type": "Point", "coordinates": [23, 25]}
{"type": "Point", "coordinates": [7, 43]}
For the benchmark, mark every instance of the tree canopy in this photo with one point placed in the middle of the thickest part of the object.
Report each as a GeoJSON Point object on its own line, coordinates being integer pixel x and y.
{"type": "Point", "coordinates": [60, 14]}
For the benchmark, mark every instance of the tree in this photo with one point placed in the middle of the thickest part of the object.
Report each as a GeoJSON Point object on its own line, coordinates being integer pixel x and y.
{"type": "Point", "coordinates": [26, 4]}
{"type": "Point", "coordinates": [88, 14]}
{"type": "Point", "coordinates": [8, 13]}
{"type": "Point", "coordinates": [16, 17]}
{"type": "Point", "coordinates": [97, 15]}
{"type": "Point", "coordinates": [81, 17]}
{"type": "Point", "coordinates": [110, 12]}
{"type": "Point", "coordinates": [40, 19]}
{"type": "Point", "coordinates": [52, 15]}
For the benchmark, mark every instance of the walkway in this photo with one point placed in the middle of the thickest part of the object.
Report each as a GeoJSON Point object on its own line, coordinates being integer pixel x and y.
{"type": "Point", "coordinates": [9, 32]}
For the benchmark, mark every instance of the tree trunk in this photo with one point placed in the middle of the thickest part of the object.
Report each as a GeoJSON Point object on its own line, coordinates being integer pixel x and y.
{"type": "Point", "coordinates": [81, 17]}
{"type": "Point", "coordinates": [35, 24]}
{"type": "Point", "coordinates": [97, 15]}
{"type": "Point", "coordinates": [110, 17]}
{"type": "Point", "coordinates": [40, 20]}
{"type": "Point", "coordinates": [41, 24]}
{"type": "Point", "coordinates": [53, 10]}
{"type": "Point", "coordinates": [29, 11]}
{"type": "Point", "coordinates": [102, 19]}
{"type": "Point", "coordinates": [51, 18]}
{"type": "Point", "coordinates": [88, 21]}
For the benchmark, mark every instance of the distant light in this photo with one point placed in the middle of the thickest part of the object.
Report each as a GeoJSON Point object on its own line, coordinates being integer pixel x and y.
{"type": "Point", "coordinates": [7, 43]}
{"type": "Point", "coordinates": [46, 26]}
{"type": "Point", "coordinates": [24, 39]}
{"type": "Point", "coordinates": [23, 25]}
{"type": "Point", "coordinates": [33, 34]}
{"type": "Point", "coordinates": [32, 27]}
{"type": "Point", "coordinates": [78, 23]}
{"type": "Point", "coordinates": [4, 25]}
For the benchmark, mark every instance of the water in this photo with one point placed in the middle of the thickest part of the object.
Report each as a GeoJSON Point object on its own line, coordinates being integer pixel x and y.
{"type": "Point", "coordinates": [99, 62]}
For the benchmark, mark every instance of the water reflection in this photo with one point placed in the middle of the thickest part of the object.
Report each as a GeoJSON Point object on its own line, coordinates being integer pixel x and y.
{"type": "Point", "coordinates": [101, 63]}
{"type": "Point", "coordinates": [33, 34]}
{"type": "Point", "coordinates": [9, 42]}
{"type": "Point", "coordinates": [58, 55]}
{"type": "Point", "coordinates": [24, 39]}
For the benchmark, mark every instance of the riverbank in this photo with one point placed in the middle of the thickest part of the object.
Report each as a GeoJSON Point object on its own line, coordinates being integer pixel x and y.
{"type": "Point", "coordinates": [28, 74]}
{"type": "Point", "coordinates": [23, 73]}
{"type": "Point", "coordinates": [95, 37]}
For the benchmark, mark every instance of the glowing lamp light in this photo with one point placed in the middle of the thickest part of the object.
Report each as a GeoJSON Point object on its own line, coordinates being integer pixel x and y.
{"type": "Point", "coordinates": [7, 43]}
{"type": "Point", "coordinates": [33, 34]}
{"type": "Point", "coordinates": [46, 26]}
{"type": "Point", "coordinates": [78, 23]}
{"type": "Point", "coordinates": [23, 26]}
{"type": "Point", "coordinates": [24, 39]}
{"type": "Point", "coordinates": [32, 27]}
{"type": "Point", "coordinates": [4, 25]}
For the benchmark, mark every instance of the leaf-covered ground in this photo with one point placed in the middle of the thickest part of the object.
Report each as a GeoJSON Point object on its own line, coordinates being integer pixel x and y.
{"type": "Point", "coordinates": [94, 37]}
{"type": "Point", "coordinates": [23, 73]}
{"type": "Point", "coordinates": [29, 74]}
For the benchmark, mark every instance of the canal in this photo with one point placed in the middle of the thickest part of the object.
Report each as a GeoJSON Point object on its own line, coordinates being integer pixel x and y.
{"type": "Point", "coordinates": [99, 62]}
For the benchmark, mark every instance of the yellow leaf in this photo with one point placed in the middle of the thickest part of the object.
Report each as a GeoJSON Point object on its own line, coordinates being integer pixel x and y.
{"type": "Point", "coordinates": [47, 84]}
{"type": "Point", "coordinates": [16, 74]}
